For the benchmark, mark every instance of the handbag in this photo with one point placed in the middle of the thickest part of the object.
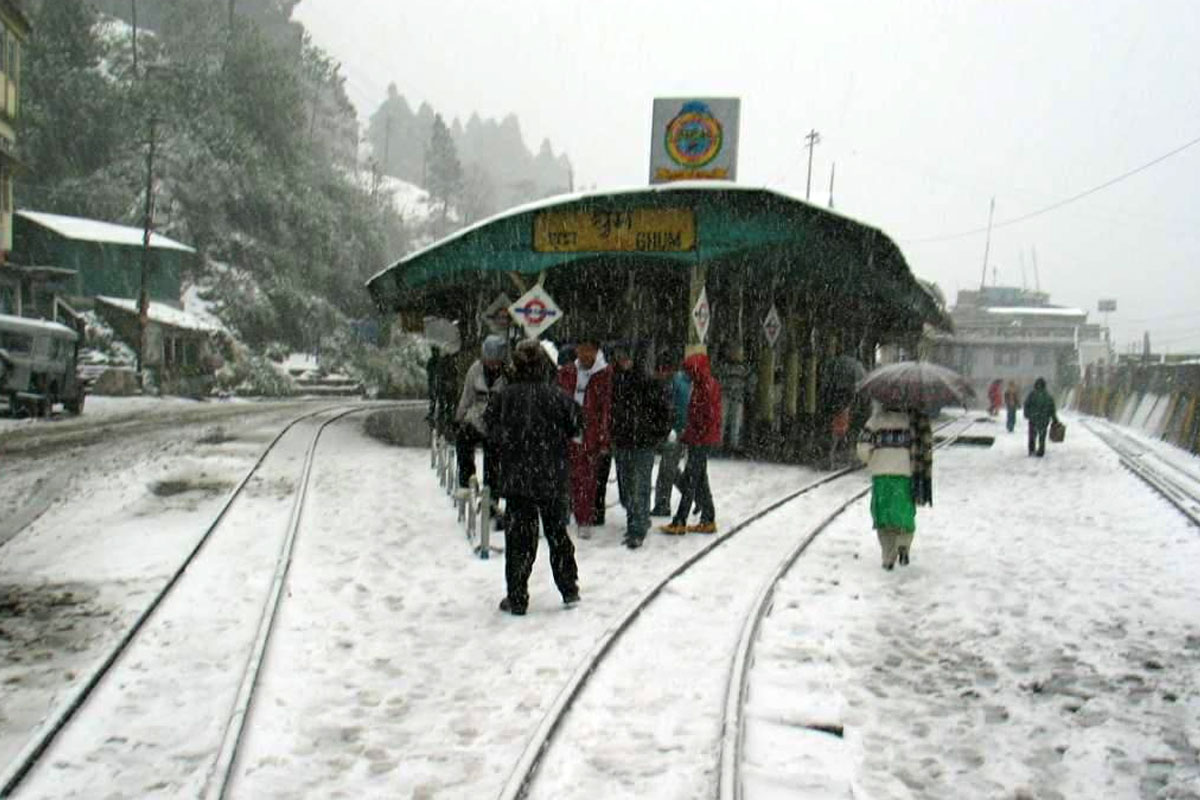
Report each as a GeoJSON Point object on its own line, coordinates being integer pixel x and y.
{"type": "Point", "coordinates": [1058, 431]}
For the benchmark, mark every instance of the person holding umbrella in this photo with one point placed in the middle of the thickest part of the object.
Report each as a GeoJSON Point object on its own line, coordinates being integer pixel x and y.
{"type": "Point", "coordinates": [897, 446]}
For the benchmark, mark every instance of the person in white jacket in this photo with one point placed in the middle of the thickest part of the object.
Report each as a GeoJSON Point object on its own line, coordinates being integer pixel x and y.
{"type": "Point", "coordinates": [485, 378]}
{"type": "Point", "coordinates": [886, 445]}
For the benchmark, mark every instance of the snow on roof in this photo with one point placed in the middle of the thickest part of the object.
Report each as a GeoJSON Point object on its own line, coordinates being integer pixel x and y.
{"type": "Point", "coordinates": [27, 325]}
{"type": "Point", "coordinates": [163, 314]}
{"type": "Point", "coordinates": [1038, 311]}
{"type": "Point", "coordinates": [568, 197]}
{"type": "Point", "coordinates": [92, 230]}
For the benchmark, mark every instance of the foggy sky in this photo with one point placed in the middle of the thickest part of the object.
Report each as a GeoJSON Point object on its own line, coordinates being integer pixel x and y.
{"type": "Point", "coordinates": [928, 109]}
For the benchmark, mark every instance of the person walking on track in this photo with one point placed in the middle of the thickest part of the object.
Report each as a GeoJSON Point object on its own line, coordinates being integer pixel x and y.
{"type": "Point", "coordinates": [702, 434]}
{"type": "Point", "coordinates": [1040, 411]}
{"type": "Point", "coordinates": [529, 424]}
{"type": "Point", "coordinates": [897, 447]}
{"type": "Point", "coordinates": [588, 381]}
{"type": "Point", "coordinates": [641, 418]}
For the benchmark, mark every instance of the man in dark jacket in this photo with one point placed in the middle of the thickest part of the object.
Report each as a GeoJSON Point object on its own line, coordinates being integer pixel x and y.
{"type": "Point", "coordinates": [529, 424]}
{"type": "Point", "coordinates": [641, 419]}
{"type": "Point", "coordinates": [1039, 410]}
{"type": "Point", "coordinates": [702, 434]}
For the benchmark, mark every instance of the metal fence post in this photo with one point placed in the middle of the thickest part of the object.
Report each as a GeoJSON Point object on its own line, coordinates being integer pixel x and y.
{"type": "Point", "coordinates": [485, 522]}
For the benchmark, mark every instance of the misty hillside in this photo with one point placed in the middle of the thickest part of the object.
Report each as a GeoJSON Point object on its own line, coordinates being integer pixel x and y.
{"type": "Point", "coordinates": [256, 157]}
{"type": "Point", "coordinates": [498, 169]}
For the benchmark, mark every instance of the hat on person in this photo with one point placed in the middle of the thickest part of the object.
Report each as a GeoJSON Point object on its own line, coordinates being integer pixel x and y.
{"type": "Point", "coordinates": [494, 348]}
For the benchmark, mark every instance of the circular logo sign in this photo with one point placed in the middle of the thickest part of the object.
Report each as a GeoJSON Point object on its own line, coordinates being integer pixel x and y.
{"type": "Point", "coordinates": [535, 312]}
{"type": "Point", "coordinates": [693, 137]}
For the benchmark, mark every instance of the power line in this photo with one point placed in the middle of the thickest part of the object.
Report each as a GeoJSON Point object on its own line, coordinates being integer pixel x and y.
{"type": "Point", "coordinates": [1060, 203]}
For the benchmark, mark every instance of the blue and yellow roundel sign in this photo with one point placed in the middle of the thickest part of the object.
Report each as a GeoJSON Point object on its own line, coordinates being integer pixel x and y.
{"type": "Point", "coordinates": [693, 137]}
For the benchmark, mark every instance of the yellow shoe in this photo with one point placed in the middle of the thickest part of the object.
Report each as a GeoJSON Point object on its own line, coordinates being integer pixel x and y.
{"type": "Point", "coordinates": [674, 529]}
{"type": "Point", "coordinates": [703, 527]}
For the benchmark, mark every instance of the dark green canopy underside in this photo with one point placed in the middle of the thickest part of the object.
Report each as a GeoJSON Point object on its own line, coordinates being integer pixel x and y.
{"type": "Point", "coordinates": [764, 237]}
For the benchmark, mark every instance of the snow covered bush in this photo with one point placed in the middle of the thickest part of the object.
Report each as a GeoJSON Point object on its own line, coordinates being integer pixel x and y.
{"type": "Point", "coordinates": [254, 376]}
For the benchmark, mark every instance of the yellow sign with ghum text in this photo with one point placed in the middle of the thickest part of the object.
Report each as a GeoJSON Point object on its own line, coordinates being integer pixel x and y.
{"type": "Point", "coordinates": [639, 230]}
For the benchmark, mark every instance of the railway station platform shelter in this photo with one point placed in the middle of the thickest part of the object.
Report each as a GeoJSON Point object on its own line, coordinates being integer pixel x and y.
{"type": "Point", "coordinates": [790, 288]}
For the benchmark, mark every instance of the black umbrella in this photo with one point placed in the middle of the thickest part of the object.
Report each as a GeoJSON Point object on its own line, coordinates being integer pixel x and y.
{"type": "Point", "coordinates": [916, 385]}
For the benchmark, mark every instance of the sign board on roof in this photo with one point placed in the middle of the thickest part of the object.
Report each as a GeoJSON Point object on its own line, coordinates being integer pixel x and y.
{"type": "Point", "coordinates": [694, 138]}
{"type": "Point", "coordinates": [638, 230]}
{"type": "Point", "coordinates": [1107, 305]}
{"type": "Point", "coordinates": [535, 311]}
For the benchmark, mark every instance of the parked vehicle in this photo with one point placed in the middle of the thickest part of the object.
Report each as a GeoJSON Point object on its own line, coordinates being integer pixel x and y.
{"type": "Point", "coordinates": [37, 366]}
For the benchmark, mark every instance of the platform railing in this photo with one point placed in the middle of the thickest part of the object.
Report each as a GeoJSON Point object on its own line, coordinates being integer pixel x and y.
{"type": "Point", "coordinates": [473, 503]}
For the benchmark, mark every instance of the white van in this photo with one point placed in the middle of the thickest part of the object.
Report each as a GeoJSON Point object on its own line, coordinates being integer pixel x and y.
{"type": "Point", "coordinates": [37, 366]}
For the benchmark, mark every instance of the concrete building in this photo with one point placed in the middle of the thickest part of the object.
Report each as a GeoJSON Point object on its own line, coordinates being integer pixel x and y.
{"type": "Point", "coordinates": [1017, 334]}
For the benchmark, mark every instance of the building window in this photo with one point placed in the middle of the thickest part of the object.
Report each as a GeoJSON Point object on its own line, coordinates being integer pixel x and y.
{"type": "Point", "coordinates": [1007, 357]}
{"type": "Point", "coordinates": [1042, 358]}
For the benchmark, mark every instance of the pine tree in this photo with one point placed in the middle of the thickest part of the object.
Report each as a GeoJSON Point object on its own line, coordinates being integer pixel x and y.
{"type": "Point", "coordinates": [445, 172]}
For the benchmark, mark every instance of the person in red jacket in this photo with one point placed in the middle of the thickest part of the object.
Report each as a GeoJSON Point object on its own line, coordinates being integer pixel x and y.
{"type": "Point", "coordinates": [588, 380]}
{"type": "Point", "coordinates": [701, 435]}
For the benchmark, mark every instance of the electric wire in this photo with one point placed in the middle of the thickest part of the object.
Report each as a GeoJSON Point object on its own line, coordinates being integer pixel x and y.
{"type": "Point", "coordinates": [1059, 204]}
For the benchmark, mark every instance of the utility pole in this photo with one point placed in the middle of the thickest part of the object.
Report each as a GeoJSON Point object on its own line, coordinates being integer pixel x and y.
{"type": "Point", "coordinates": [232, 13]}
{"type": "Point", "coordinates": [147, 226]}
{"type": "Point", "coordinates": [812, 138]}
{"type": "Point", "coordinates": [1037, 281]}
{"type": "Point", "coordinates": [133, 11]}
{"type": "Point", "coordinates": [832, 172]}
{"type": "Point", "coordinates": [987, 245]}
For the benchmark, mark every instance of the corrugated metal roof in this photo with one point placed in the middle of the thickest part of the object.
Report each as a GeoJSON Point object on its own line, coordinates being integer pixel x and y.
{"type": "Point", "coordinates": [91, 230]}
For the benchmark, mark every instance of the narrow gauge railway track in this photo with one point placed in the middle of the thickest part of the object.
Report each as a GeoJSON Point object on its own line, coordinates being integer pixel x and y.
{"type": "Point", "coordinates": [733, 723]}
{"type": "Point", "coordinates": [42, 438]}
{"type": "Point", "coordinates": [521, 781]}
{"type": "Point", "coordinates": [218, 777]}
{"type": "Point", "coordinates": [1180, 487]}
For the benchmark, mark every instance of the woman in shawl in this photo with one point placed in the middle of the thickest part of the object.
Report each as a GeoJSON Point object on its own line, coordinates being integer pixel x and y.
{"type": "Point", "coordinates": [897, 447]}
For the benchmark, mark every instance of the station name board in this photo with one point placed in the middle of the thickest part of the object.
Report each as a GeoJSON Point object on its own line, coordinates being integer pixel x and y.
{"type": "Point", "coordinates": [640, 230]}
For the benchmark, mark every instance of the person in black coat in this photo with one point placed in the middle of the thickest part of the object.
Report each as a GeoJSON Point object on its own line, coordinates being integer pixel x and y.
{"type": "Point", "coordinates": [641, 419]}
{"type": "Point", "coordinates": [529, 424]}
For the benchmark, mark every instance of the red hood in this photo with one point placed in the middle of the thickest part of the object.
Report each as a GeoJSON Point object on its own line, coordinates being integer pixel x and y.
{"type": "Point", "coordinates": [696, 365]}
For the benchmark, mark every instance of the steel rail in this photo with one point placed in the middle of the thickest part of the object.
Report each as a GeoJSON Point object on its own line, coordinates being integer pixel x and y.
{"type": "Point", "coordinates": [521, 778]}
{"type": "Point", "coordinates": [733, 721]}
{"type": "Point", "coordinates": [54, 724]}
{"type": "Point", "coordinates": [1175, 493]}
{"type": "Point", "coordinates": [220, 775]}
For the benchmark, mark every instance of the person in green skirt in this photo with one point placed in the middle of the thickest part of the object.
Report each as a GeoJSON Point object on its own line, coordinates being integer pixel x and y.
{"type": "Point", "coordinates": [897, 448]}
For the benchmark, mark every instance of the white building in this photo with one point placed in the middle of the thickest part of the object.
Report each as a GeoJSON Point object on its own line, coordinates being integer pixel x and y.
{"type": "Point", "coordinates": [1015, 334]}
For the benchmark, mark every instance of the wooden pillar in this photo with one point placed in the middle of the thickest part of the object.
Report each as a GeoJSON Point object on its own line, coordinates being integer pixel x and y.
{"type": "Point", "coordinates": [764, 409]}
{"type": "Point", "coordinates": [791, 369]}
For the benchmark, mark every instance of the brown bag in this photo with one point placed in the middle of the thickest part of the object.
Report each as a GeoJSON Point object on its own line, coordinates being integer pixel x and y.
{"type": "Point", "coordinates": [1058, 431]}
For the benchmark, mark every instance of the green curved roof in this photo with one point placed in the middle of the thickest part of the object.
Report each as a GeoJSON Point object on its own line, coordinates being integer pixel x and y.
{"type": "Point", "coordinates": [765, 234]}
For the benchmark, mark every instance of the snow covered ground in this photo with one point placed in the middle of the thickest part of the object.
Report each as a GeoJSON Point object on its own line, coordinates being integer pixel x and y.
{"type": "Point", "coordinates": [1044, 643]}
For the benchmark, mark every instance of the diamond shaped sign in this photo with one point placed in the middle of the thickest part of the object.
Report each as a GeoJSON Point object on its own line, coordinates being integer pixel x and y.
{"type": "Point", "coordinates": [772, 326]}
{"type": "Point", "coordinates": [536, 311]}
{"type": "Point", "coordinates": [702, 315]}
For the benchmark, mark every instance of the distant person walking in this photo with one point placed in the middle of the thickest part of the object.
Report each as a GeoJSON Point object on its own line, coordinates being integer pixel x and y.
{"type": "Point", "coordinates": [485, 378]}
{"type": "Point", "coordinates": [897, 447]}
{"type": "Point", "coordinates": [641, 419]}
{"type": "Point", "coordinates": [702, 434]}
{"type": "Point", "coordinates": [529, 424]}
{"type": "Point", "coordinates": [995, 396]}
{"type": "Point", "coordinates": [588, 381]}
{"type": "Point", "coordinates": [1040, 411]}
{"type": "Point", "coordinates": [1012, 401]}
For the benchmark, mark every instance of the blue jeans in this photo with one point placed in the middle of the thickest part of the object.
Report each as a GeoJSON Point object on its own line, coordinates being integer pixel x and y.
{"type": "Point", "coordinates": [695, 487]}
{"type": "Point", "coordinates": [633, 477]}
